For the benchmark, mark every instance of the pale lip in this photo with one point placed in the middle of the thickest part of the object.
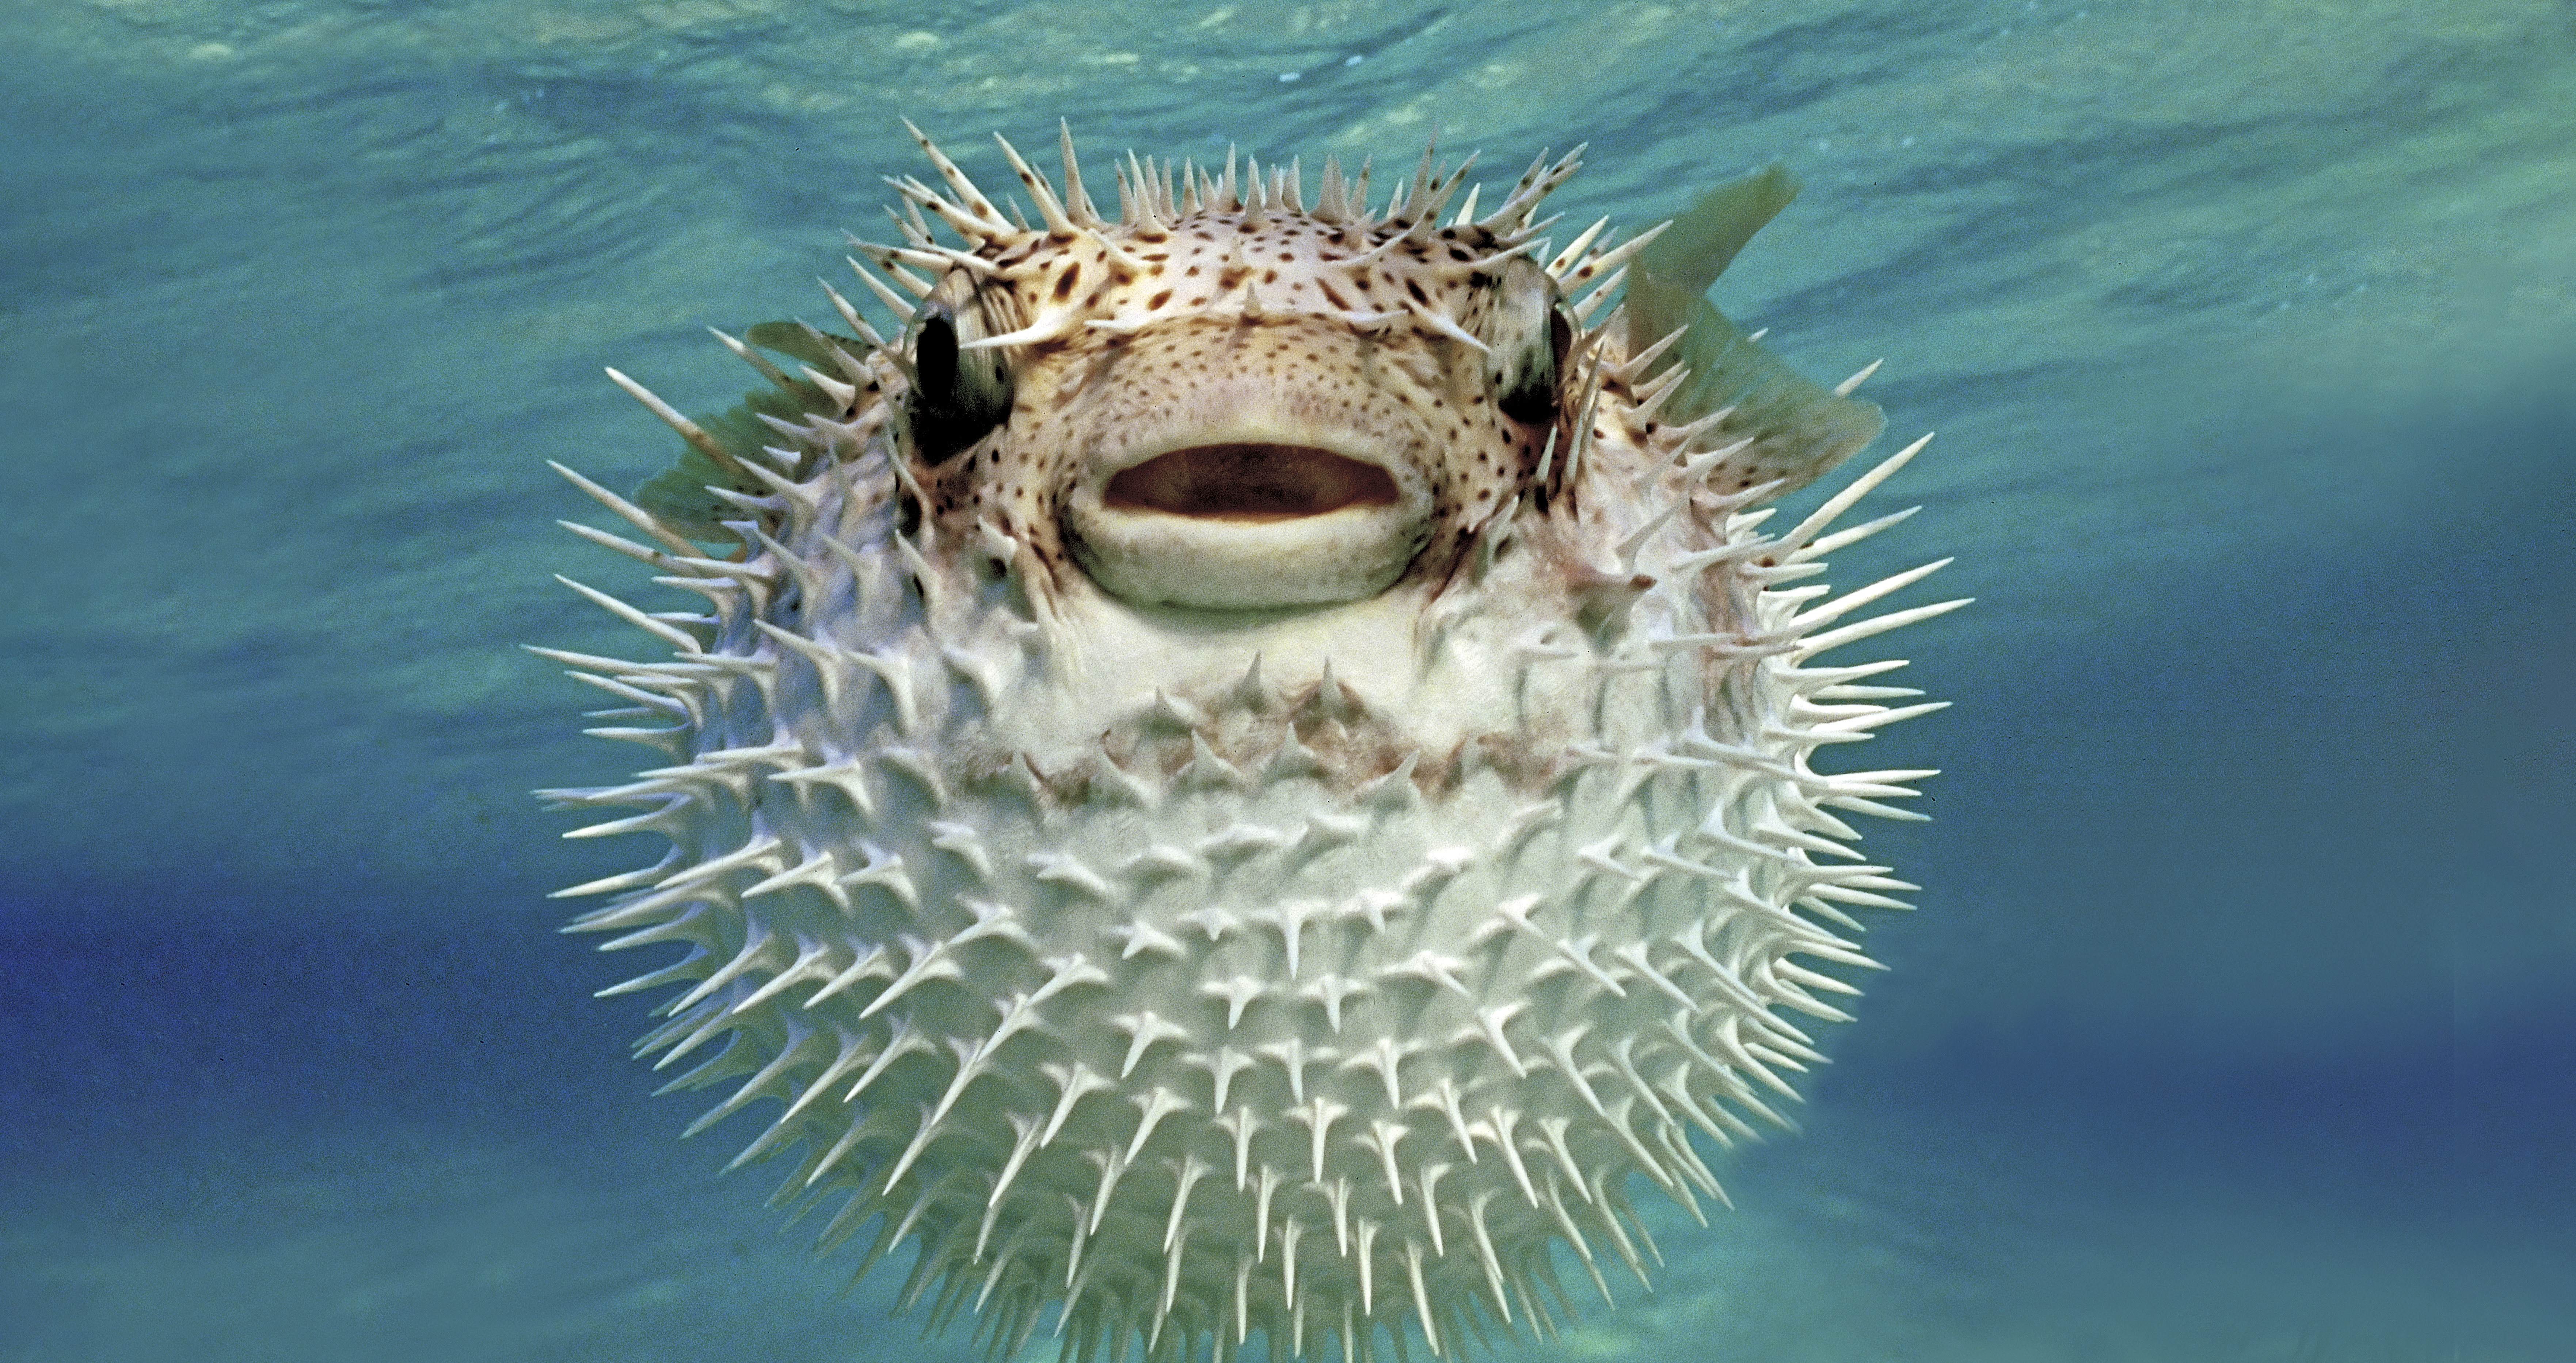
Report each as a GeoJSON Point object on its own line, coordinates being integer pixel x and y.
{"type": "Point", "coordinates": [1245, 517]}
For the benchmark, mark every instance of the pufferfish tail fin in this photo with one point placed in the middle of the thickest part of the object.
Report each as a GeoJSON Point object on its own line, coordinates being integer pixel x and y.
{"type": "Point", "coordinates": [1799, 428]}
{"type": "Point", "coordinates": [680, 495]}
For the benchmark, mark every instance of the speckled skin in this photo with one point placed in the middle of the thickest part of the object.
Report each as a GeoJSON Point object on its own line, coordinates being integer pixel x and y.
{"type": "Point", "coordinates": [1193, 353]}
{"type": "Point", "coordinates": [1217, 921]}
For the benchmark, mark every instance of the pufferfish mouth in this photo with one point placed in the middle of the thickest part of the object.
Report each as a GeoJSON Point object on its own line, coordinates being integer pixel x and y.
{"type": "Point", "coordinates": [1250, 482]}
{"type": "Point", "coordinates": [1245, 520]}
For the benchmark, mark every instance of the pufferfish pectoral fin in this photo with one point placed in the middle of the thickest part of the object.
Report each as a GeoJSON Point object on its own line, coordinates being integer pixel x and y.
{"type": "Point", "coordinates": [679, 495]}
{"type": "Point", "coordinates": [1799, 428]}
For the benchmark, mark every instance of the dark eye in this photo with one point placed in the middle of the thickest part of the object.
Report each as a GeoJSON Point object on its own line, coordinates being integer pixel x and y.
{"type": "Point", "coordinates": [1532, 400]}
{"type": "Point", "coordinates": [1528, 334]}
{"type": "Point", "coordinates": [960, 395]}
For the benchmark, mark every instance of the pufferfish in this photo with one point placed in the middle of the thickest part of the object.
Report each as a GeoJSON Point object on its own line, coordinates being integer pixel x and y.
{"type": "Point", "coordinates": [1246, 768]}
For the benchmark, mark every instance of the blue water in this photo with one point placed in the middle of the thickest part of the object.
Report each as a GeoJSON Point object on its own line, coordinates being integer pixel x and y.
{"type": "Point", "coordinates": [2238, 1022]}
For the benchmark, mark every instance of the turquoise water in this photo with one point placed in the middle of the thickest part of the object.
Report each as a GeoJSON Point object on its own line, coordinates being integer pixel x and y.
{"type": "Point", "coordinates": [2238, 1022]}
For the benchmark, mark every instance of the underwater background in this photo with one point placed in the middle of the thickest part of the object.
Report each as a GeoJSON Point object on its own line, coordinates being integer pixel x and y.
{"type": "Point", "coordinates": [2238, 1021]}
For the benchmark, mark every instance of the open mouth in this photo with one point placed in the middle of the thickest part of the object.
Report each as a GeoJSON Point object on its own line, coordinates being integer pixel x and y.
{"type": "Point", "coordinates": [1247, 524]}
{"type": "Point", "coordinates": [1250, 482]}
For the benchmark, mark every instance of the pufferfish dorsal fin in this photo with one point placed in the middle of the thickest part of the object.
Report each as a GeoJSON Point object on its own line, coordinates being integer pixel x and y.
{"type": "Point", "coordinates": [679, 495]}
{"type": "Point", "coordinates": [1799, 428]}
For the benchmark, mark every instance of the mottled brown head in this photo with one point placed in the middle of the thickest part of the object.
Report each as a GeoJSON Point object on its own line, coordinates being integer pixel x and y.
{"type": "Point", "coordinates": [1230, 398]}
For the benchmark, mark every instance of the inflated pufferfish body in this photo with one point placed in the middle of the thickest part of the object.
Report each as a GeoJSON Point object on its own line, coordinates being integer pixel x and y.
{"type": "Point", "coordinates": [1252, 766]}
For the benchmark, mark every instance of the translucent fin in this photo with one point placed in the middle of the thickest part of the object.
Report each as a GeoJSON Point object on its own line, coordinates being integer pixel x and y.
{"type": "Point", "coordinates": [792, 340]}
{"type": "Point", "coordinates": [1799, 428]}
{"type": "Point", "coordinates": [679, 494]}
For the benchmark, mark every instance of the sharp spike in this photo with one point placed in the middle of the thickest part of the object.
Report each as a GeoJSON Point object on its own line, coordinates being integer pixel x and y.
{"type": "Point", "coordinates": [1419, 195]}
{"type": "Point", "coordinates": [689, 430]}
{"type": "Point", "coordinates": [672, 634]}
{"type": "Point", "coordinates": [1536, 183]}
{"type": "Point", "coordinates": [1842, 501]}
{"type": "Point", "coordinates": [1330, 205]}
{"type": "Point", "coordinates": [1044, 329]}
{"type": "Point", "coordinates": [1529, 246]}
{"type": "Point", "coordinates": [1256, 196]}
{"type": "Point", "coordinates": [850, 314]}
{"type": "Point", "coordinates": [1844, 388]}
{"type": "Point", "coordinates": [967, 194]}
{"type": "Point", "coordinates": [1615, 258]}
{"type": "Point", "coordinates": [1591, 302]}
{"type": "Point", "coordinates": [1633, 369]}
{"type": "Point", "coordinates": [1140, 194]}
{"type": "Point", "coordinates": [1485, 1255]}
{"type": "Point", "coordinates": [1840, 538]}
{"type": "Point", "coordinates": [934, 258]}
{"type": "Point", "coordinates": [1421, 1297]}
{"type": "Point", "coordinates": [918, 196]}
{"type": "Point", "coordinates": [1439, 322]}
{"type": "Point", "coordinates": [754, 358]}
{"type": "Point", "coordinates": [1877, 624]}
{"type": "Point", "coordinates": [632, 514]}
{"type": "Point", "coordinates": [1854, 599]}
{"type": "Point", "coordinates": [1040, 192]}
{"type": "Point", "coordinates": [1076, 202]}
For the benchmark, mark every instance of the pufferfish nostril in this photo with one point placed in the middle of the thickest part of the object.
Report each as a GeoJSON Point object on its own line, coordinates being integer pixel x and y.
{"type": "Point", "coordinates": [1250, 482]}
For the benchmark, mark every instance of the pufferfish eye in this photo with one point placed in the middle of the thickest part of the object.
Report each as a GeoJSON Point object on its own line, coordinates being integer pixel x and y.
{"type": "Point", "coordinates": [958, 395]}
{"type": "Point", "coordinates": [1528, 335]}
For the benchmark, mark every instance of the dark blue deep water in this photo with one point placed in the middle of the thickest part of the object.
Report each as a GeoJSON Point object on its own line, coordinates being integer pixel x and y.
{"type": "Point", "coordinates": [2238, 1022]}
